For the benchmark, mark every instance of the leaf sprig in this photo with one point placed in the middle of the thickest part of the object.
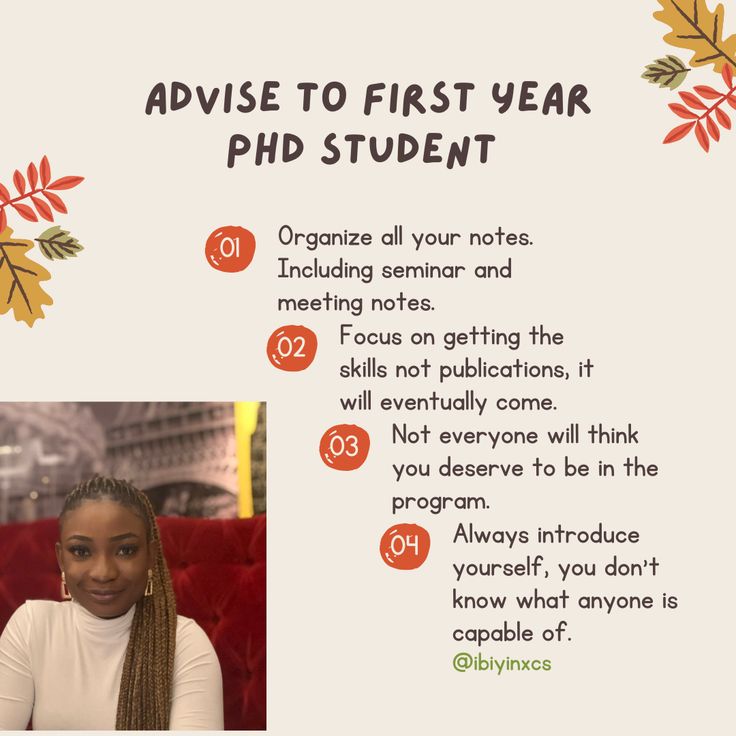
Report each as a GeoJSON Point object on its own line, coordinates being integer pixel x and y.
{"type": "Point", "coordinates": [699, 111]}
{"type": "Point", "coordinates": [58, 244]}
{"type": "Point", "coordinates": [669, 71]}
{"type": "Point", "coordinates": [36, 182]}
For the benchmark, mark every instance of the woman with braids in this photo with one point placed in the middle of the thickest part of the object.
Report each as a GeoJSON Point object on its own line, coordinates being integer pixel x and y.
{"type": "Point", "coordinates": [116, 655]}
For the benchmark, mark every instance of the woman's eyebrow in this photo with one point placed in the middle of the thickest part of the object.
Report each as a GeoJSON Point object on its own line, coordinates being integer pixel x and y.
{"type": "Point", "coordinates": [116, 538]}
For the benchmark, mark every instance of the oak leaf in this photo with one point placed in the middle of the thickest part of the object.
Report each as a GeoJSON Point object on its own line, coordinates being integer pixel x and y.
{"type": "Point", "coordinates": [696, 28]}
{"type": "Point", "coordinates": [20, 280]}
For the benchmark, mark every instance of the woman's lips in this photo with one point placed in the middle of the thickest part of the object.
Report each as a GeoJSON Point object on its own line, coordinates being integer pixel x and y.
{"type": "Point", "coordinates": [104, 596]}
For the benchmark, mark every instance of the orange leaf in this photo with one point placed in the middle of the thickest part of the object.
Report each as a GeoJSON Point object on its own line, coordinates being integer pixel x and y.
{"type": "Point", "coordinates": [707, 93]}
{"type": "Point", "coordinates": [682, 111]}
{"type": "Point", "coordinates": [19, 181]}
{"type": "Point", "coordinates": [727, 74]}
{"type": "Point", "coordinates": [702, 136]}
{"type": "Point", "coordinates": [713, 129]}
{"type": "Point", "coordinates": [56, 202]}
{"type": "Point", "coordinates": [678, 133]}
{"type": "Point", "coordinates": [4, 194]}
{"type": "Point", "coordinates": [32, 175]}
{"type": "Point", "coordinates": [692, 101]}
{"type": "Point", "coordinates": [25, 212]}
{"type": "Point", "coordinates": [723, 119]}
{"type": "Point", "coordinates": [731, 101]}
{"type": "Point", "coordinates": [45, 172]}
{"type": "Point", "coordinates": [66, 182]}
{"type": "Point", "coordinates": [43, 209]}
{"type": "Point", "coordinates": [3, 220]}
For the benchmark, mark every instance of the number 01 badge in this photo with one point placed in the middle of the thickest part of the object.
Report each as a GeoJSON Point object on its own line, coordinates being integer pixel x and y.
{"type": "Point", "coordinates": [230, 249]}
{"type": "Point", "coordinates": [344, 447]}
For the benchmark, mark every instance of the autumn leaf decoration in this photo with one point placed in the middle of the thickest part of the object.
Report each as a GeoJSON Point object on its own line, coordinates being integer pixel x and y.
{"type": "Point", "coordinates": [36, 197]}
{"type": "Point", "coordinates": [666, 72]}
{"type": "Point", "coordinates": [58, 244]}
{"type": "Point", "coordinates": [38, 184]}
{"type": "Point", "coordinates": [696, 28]}
{"type": "Point", "coordinates": [20, 277]}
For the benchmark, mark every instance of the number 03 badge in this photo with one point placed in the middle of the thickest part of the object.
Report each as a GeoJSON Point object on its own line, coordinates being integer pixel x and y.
{"type": "Point", "coordinates": [344, 447]}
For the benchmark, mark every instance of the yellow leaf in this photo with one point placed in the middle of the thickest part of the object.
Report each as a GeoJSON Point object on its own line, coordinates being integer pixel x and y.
{"type": "Point", "coordinates": [20, 278]}
{"type": "Point", "coordinates": [694, 27]}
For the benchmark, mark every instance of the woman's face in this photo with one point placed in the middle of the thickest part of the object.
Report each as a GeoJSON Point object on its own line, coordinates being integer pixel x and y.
{"type": "Point", "coordinates": [105, 554]}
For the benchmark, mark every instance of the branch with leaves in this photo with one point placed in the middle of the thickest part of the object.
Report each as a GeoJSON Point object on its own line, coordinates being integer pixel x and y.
{"type": "Point", "coordinates": [38, 183]}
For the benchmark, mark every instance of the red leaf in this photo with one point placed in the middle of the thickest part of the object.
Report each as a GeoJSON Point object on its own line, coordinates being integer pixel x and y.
{"type": "Point", "coordinates": [32, 175]}
{"type": "Point", "coordinates": [66, 182]}
{"type": "Point", "coordinates": [702, 136]}
{"type": "Point", "coordinates": [19, 181]}
{"type": "Point", "coordinates": [727, 74]}
{"type": "Point", "coordinates": [25, 212]}
{"type": "Point", "coordinates": [731, 101]}
{"type": "Point", "coordinates": [3, 220]}
{"type": "Point", "coordinates": [723, 119]}
{"type": "Point", "coordinates": [707, 93]}
{"type": "Point", "coordinates": [678, 133]}
{"type": "Point", "coordinates": [56, 202]}
{"type": "Point", "coordinates": [45, 172]}
{"type": "Point", "coordinates": [682, 111]}
{"type": "Point", "coordinates": [43, 209]}
{"type": "Point", "coordinates": [692, 101]}
{"type": "Point", "coordinates": [713, 129]}
{"type": "Point", "coordinates": [4, 194]}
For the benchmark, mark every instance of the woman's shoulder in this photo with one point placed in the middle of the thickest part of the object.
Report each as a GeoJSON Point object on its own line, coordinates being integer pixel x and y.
{"type": "Point", "coordinates": [191, 640]}
{"type": "Point", "coordinates": [36, 615]}
{"type": "Point", "coordinates": [41, 610]}
{"type": "Point", "coordinates": [187, 629]}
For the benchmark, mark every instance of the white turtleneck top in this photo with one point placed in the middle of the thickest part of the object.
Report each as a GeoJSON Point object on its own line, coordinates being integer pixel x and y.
{"type": "Point", "coordinates": [62, 665]}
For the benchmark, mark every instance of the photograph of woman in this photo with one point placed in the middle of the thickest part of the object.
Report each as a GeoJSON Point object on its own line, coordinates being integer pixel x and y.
{"type": "Point", "coordinates": [114, 654]}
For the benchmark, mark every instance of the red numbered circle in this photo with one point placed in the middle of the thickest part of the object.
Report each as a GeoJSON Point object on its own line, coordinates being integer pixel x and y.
{"type": "Point", "coordinates": [230, 248]}
{"type": "Point", "coordinates": [344, 447]}
{"type": "Point", "coordinates": [292, 347]}
{"type": "Point", "coordinates": [405, 546]}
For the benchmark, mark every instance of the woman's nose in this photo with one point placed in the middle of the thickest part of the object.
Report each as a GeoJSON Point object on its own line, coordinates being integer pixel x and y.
{"type": "Point", "coordinates": [103, 568]}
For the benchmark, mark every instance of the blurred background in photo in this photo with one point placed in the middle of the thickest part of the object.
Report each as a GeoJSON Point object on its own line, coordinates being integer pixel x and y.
{"type": "Point", "coordinates": [196, 459]}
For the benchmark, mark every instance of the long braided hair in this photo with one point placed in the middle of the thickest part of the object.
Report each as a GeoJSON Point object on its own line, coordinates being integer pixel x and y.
{"type": "Point", "coordinates": [144, 702]}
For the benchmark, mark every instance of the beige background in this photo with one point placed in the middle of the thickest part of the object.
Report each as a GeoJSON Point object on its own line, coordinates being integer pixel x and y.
{"type": "Point", "coordinates": [632, 260]}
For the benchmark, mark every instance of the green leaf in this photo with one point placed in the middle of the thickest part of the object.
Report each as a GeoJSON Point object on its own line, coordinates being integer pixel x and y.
{"type": "Point", "coordinates": [58, 244]}
{"type": "Point", "coordinates": [666, 72]}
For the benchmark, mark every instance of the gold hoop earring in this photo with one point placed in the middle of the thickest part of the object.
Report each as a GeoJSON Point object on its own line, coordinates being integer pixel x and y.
{"type": "Point", "coordinates": [149, 584]}
{"type": "Point", "coordinates": [65, 595]}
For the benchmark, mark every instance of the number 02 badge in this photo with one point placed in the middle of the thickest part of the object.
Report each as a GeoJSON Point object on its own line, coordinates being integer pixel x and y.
{"type": "Point", "coordinates": [292, 348]}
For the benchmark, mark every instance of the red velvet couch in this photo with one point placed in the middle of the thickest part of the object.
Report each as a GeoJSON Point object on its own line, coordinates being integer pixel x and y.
{"type": "Point", "coordinates": [218, 570]}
